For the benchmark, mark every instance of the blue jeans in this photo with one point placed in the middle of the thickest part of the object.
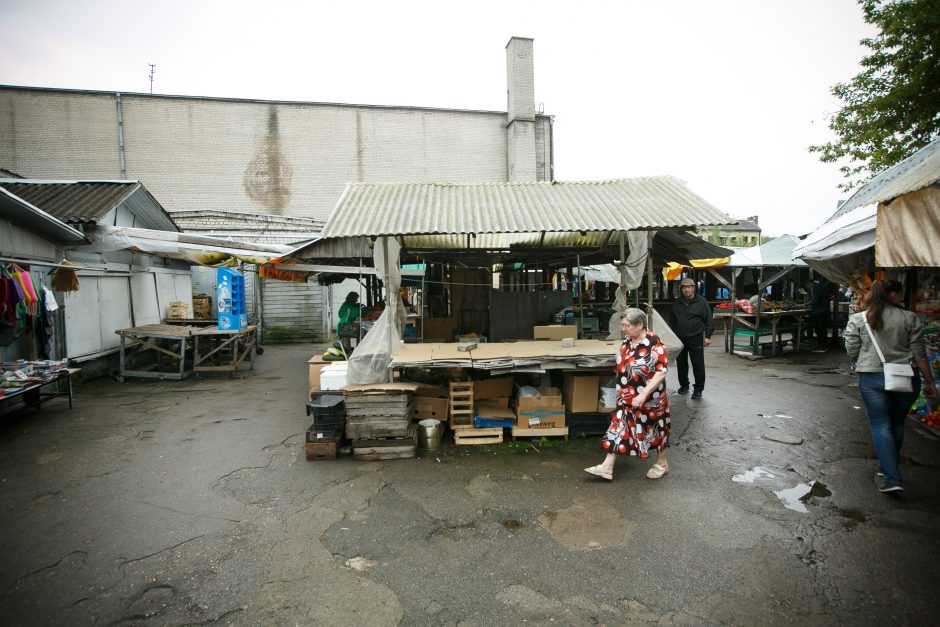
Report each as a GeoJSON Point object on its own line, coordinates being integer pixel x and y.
{"type": "Point", "coordinates": [886, 414]}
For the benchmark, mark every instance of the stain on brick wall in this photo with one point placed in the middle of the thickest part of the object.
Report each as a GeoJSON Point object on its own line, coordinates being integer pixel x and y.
{"type": "Point", "coordinates": [267, 178]}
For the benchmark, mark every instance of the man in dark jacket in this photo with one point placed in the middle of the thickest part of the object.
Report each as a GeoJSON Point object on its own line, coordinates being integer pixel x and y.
{"type": "Point", "coordinates": [691, 320]}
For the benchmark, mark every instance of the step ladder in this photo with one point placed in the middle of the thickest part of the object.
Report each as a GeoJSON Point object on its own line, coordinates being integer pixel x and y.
{"type": "Point", "coordinates": [461, 404]}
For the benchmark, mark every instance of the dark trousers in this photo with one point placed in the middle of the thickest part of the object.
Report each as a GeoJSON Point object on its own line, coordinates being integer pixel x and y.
{"type": "Point", "coordinates": [693, 348]}
{"type": "Point", "coordinates": [820, 322]}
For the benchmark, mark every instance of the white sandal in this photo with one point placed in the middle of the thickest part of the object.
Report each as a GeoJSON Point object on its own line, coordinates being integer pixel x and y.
{"type": "Point", "coordinates": [657, 471]}
{"type": "Point", "coordinates": [600, 471]}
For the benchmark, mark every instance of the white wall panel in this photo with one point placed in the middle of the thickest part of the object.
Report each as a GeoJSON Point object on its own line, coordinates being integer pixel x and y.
{"type": "Point", "coordinates": [92, 314]}
{"type": "Point", "coordinates": [144, 296]}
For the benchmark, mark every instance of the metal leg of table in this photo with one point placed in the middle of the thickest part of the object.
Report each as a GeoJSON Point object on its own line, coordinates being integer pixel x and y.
{"type": "Point", "coordinates": [121, 367]}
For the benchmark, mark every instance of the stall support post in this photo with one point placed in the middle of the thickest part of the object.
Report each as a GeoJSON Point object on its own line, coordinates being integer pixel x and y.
{"type": "Point", "coordinates": [649, 278]}
{"type": "Point", "coordinates": [580, 292]}
{"type": "Point", "coordinates": [388, 305]}
{"type": "Point", "coordinates": [735, 273]}
{"type": "Point", "coordinates": [760, 301]}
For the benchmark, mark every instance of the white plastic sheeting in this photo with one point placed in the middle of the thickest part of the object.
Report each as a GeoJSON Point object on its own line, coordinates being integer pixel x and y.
{"type": "Point", "coordinates": [369, 362]}
{"type": "Point", "coordinates": [203, 250]}
{"type": "Point", "coordinates": [631, 276]}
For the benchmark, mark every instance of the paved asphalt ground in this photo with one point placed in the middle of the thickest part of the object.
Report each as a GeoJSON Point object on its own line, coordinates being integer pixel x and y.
{"type": "Point", "coordinates": [184, 503]}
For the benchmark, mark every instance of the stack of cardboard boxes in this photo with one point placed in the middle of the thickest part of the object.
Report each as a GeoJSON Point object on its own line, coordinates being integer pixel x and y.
{"type": "Point", "coordinates": [491, 402]}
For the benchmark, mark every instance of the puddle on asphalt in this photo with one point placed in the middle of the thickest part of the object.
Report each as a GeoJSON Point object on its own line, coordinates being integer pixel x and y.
{"type": "Point", "coordinates": [795, 498]}
{"type": "Point", "coordinates": [752, 474]}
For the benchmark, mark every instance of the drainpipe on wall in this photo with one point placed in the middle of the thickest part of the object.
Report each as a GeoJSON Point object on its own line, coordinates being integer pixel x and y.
{"type": "Point", "coordinates": [120, 121]}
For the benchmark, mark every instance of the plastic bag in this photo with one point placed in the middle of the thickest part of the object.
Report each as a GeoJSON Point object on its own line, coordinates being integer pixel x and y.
{"type": "Point", "coordinates": [370, 361]}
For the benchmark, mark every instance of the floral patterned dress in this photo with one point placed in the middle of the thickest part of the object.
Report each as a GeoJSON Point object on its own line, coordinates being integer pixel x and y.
{"type": "Point", "coordinates": [638, 430]}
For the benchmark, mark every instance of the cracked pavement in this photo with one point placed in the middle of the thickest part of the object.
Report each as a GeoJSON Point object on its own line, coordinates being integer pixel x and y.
{"type": "Point", "coordinates": [190, 502]}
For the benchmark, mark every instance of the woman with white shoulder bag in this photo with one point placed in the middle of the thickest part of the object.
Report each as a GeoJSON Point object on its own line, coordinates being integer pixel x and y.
{"type": "Point", "coordinates": [883, 341]}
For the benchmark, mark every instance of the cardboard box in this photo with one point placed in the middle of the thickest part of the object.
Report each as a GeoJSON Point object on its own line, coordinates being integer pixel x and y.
{"type": "Point", "coordinates": [316, 364]}
{"type": "Point", "coordinates": [430, 407]}
{"type": "Point", "coordinates": [549, 398]}
{"type": "Point", "coordinates": [495, 389]}
{"type": "Point", "coordinates": [432, 391]}
{"type": "Point", "coordinates": [547, 410]}
{"type": "Point", "coordinates": [555, 332]}
{"type": "Point", "coordinates": [581, 392]}
{"type": "Point", "coordinates": [540, 418]}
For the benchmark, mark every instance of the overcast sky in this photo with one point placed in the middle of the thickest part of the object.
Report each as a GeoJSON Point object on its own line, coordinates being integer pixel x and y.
{"type": "Point", "coordinates": [724, 94]}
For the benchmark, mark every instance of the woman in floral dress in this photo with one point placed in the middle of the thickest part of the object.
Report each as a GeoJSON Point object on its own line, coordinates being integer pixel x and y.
{"type": "Point", "coordinates": [641, 422]}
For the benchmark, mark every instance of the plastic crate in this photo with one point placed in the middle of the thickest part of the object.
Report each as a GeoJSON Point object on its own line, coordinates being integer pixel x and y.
{"type": "Point", "coordinates": [492, 423]}
{"type": "Point", "coordinates": [230, 296]}
{"type": "Point", "coordinates": [327, 405]}
{"type": "Point", "coordinates": [321, 434]}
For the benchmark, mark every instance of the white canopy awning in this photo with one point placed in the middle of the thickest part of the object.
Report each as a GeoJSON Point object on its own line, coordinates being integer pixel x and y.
{"type": "Point", "coordinates": [839, 247]}
{"type": "Point", "coordinates": [202, 250]}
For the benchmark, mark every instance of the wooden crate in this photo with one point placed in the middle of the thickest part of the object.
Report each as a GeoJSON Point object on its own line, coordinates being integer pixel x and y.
{"type": "Point", "coordinates": [468, 436]}
{"type": "Point", "coordinates": [320, 450]}
{"type": "Point", "coordinates": [543, 432]}
{"type": "Point", "coordinates": [386, 448]}
{"type": "Point", "coordinates": [461, 404]}
{"type": "Point", "coordinates": [177, 310]}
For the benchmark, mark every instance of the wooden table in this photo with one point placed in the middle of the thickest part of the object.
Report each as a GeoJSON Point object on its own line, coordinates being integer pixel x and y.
{"type": "Point", "coordinates": [137, 340]}
{"type": "Point", "coordinates": [753, 322]}
{"type": "Point", "coordinates": [233, 345]}
{"type": "Point", "coordinates": [191, 322]}
{"type": "Point", "coordinates": [32, 395]}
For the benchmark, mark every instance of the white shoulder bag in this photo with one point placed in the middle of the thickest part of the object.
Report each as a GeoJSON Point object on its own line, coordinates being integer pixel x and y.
{"type": "Point", "coordinates": [897, 376]}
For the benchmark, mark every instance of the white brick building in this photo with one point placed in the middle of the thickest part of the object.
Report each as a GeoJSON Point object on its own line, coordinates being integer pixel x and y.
{"type": "Point", "coordinates": [288, 159]}
{"type": "Point", "coordinates": [279, 158]}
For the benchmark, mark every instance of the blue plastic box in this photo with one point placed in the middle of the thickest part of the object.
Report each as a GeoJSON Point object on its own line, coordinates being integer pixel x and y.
{"type": "Point", "coordinates": [230, 297]}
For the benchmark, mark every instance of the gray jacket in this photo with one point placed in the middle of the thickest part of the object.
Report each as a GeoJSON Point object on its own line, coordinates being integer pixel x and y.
{"type": "Point", "coordinates": [901, 338]}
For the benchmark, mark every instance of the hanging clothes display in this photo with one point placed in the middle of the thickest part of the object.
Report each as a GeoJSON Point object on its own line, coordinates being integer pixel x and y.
{"type": "Point", "coordinates": [26, 308]}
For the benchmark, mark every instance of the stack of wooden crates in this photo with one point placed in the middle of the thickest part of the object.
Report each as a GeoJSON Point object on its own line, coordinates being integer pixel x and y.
{"type": "Point", "coordinates": [378, 421]}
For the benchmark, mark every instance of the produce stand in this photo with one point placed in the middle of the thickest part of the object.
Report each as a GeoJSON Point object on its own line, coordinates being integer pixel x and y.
{"type": "Point", "coordinates": [136, 340]}
{"type": "Point", "coordinates": [752, 325]}
{"type": "Point", "coordinates": [230, 346]}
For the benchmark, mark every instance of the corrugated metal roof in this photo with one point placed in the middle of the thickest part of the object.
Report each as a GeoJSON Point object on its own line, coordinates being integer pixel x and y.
{"type": "Point", "coordinates": [86, 202]}
{"type": "Point", "coordinates": [73, 201]}
{"type": "Point", "coordinates": [27, 216]}
{"type": "Point", "coordinates": [918, 171]}
{"type": "Point", "coordinates": [372, 209]}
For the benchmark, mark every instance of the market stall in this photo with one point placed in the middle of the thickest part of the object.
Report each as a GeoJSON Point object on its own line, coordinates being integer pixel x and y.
{"type": "Point", "coordinates": [32, 383]}
{"type": "Point", "coordinates": [158, 342]}
{"type": "Point", "coordinates": [771, 313]}
{"type": "Point", "coordinates": [890, 227]}
{"type": "Point", "coordinates": [490, 253]}
{"type": "Point", "coordinates": [223, 350]}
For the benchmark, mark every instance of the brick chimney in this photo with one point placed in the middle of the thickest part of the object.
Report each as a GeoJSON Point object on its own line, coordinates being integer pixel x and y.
{"type": "Point", "coordinates": [520, 123]}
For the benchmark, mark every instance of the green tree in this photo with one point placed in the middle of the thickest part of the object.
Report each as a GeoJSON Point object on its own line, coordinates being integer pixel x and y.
{"type": "Point", "coordinates": [892, 108]}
